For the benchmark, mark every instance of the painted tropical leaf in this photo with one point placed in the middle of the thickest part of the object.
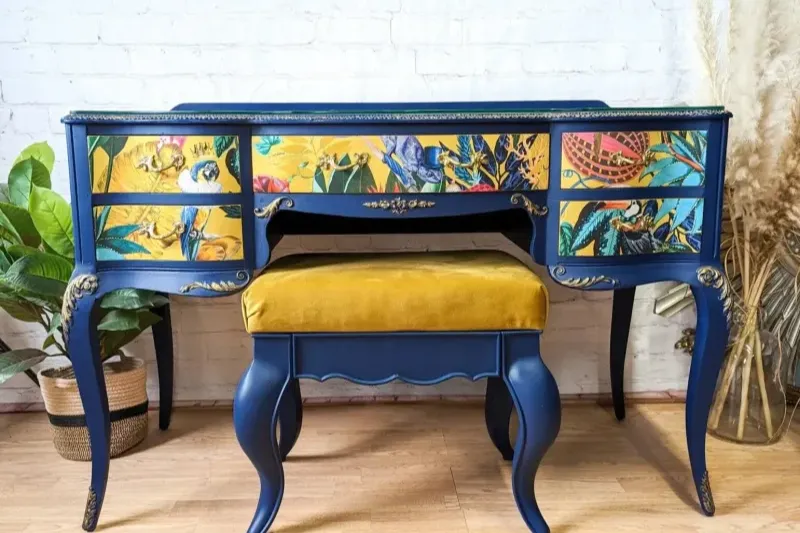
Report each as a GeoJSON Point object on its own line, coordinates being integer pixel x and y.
{"type": "Point", "coordinates": [660, 148]}
{"type": "Point", "coordinates": [565, 239]}
{"type": "Point", "coordinates": [661, 232]}
{"type": "Point", "coordinates": [680, 145]}
{"type": "Point", "coordinates": [232, 211]}
{"type": "Point", "coordinates": [107, 254]}
{"type": "Point", "coordinates": [608, 242]}
{"type": "Point", "coordinates": [232, 163]}
{"type": "Point", "coordinates": [699, 143]}
{"type": "Point", "coordinates": [266, 143]}
{"type": "Point", "coordinates": [122, 246]}
{"type": "Point", "coordinates": [393, 184]}
{"type": "Point", "coordinates": [489, 161]}
{"type": "Point", "coordinates": [697, 222]}
{"type": "Point", "coordinates": [501, 148]}
{"type": "Point", "coordinates": [119, 232]}
{"type": "Point", "coordinates": [319, 184]}
{"type": "Point", "coordinates": [657, 166]}
{"type": "Point", "coordinates": [684, 208]}
{"type": "Point", "coordinates": [667, 206]}
{"type": "Point", "coordinates": [671, 174]}
{"type": "Point", "coordinates": [100, 221]}
{"type": "Point", "coordinates": [360, 180]}
{"type": "Point", "coordinates": [693, 179]}
{"type": "Point", "coordinates": [222, 143]}
{"type": "Point", "coordinates": [464, 152]}
{"type": "Point", "coordinates": [590, 223]}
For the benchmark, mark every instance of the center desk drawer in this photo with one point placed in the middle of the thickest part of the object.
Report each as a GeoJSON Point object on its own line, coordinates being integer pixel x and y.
{"type": "Point", "coordinates": [168, 232]}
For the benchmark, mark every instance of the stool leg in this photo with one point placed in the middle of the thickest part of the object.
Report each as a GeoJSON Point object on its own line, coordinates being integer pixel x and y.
{"type": "Point", "coordinates": [255, 415]}
{"type": "Point", "coordinates": [291, 418]}
{"type": "Point", "coordinates": [497, 411]}
{"type": "Point", "coordinates": [536, 398]}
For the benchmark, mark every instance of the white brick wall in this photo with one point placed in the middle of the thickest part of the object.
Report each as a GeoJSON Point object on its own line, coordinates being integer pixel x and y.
{"type": "Point", "coordinates": [152, 54]}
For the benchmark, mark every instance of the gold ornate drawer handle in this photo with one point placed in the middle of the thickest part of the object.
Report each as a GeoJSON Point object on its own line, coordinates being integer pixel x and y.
{"type": "Point", "coordinates": [399, 206]}
{"type": "Point", "coordinates": [150, 231]}
{"type": "Point", "coordinates": [530, 207]}
{"type": "Point", "coordinates": [273, 207]}
{"type": "Point", "coordinates": [218, 286]}
{"type": "Point", "coordinates": [329, 161]}
{"type": "Point", "coordinates": [476, 160]}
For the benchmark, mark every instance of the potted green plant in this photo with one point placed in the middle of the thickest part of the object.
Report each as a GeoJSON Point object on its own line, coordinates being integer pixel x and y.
{"type": "Point", "coordinates": [36, 262]}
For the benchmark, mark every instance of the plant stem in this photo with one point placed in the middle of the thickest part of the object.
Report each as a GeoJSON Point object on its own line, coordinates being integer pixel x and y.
{"type": "Point", "coordinates": [762, 385]}
{"type": "Point", "coordinates": [745, 395]}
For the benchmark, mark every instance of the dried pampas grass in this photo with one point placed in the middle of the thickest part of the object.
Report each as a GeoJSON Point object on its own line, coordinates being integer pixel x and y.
{"type": "Point", "coordinates": [751, 52]}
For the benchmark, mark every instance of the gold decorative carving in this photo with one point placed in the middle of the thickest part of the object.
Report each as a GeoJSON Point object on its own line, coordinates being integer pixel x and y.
{"type": "Point", "coordinates": [580, 283]}
{"type": "Point", "coordinates": [530, 207]}
{"type": "Point", "coordinates": [706, 497]}
{"type": "Point", "coordinates": [399, 206]}
{"type": "Point", "coordinates": [218, 286]}
{"type": "Point", "coordinates": [716, 279]}
{"type": "Point", "coordinates": [77, 288]}
{"type": "Point", "coordinates": [90, 514]}
{"type": "Point", "coordinates": [273, 207]}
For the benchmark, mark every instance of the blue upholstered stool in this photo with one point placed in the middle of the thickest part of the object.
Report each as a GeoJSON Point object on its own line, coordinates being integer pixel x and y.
{"type": "Point", "coordinates": [417, 317]}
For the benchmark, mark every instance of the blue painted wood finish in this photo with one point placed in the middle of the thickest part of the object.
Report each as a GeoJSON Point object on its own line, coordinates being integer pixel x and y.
{"type": "Point", "coordinates": [530, 219]}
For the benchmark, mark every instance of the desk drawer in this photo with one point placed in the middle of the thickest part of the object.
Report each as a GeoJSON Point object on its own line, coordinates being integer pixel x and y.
{"type": "Point", "coordinates": [168, 232]}
{"type": "Point", "coordinates": [594, 160]}
{"type": "Point", "coordinates": [630, 227]}
{"type": "Point", "coordinates": [164, 164]}
{"type": "Point", "coordinates": [401, 163]}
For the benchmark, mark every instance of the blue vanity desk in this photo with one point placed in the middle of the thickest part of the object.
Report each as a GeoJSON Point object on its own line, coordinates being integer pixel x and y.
{"type": "Point", "coordinates": [191, 202]}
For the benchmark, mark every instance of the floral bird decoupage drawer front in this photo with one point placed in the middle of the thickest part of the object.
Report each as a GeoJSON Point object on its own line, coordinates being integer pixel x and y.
{"type": "Point", "coordinates": [593, 160]}
{"type": "Point", "coordinates": [168, 232]}
{"type": "Point", "coordinates": [162, 164]}
{"type": "Point", "coordinates": [630, 227]}
{"type": "Point", "coordinates": [400, 163]}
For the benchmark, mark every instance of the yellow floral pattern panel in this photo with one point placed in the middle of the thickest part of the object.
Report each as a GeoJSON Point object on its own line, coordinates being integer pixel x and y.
{"type": "Point", "coordinates": [630, 227]}
{"type": "Point", "coordinates": [593, 160]}
{"type": "Point", "coordinates": [168, 232]}
{"type": "Point", "coordinates": [400, 163]}
{"type": "Point", "coordinates": [164, 164]}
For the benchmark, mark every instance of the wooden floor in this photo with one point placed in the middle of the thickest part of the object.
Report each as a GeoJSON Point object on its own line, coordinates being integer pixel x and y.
{"type": "Point", "coordinates": [409, 468]}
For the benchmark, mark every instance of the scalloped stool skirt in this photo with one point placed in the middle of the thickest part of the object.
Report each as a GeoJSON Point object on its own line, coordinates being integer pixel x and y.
{"type": "Point", "coordinates": [416, 317]}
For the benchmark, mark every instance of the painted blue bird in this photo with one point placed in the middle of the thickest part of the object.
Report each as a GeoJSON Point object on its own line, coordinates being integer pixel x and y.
{"type": "Point", "coordinates": [200, 178]}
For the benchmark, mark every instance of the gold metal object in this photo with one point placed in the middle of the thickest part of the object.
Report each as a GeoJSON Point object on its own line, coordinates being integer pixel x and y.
{"type": "Point", "coordinates": [77, 288]}
{"type": "Point", "coordinates": [154, 165]}
{"type": "Point", "coordinates": [329, 161]}
{"type": "Point", "coordinates": [218, 286]}
{"type": "Point", "coordinates": [475, 162]}
{"type": "Point", "coordinates": [273, 207]}
{"type": "Point", "coordinates": [716, 279]}
{"type": "Point", "coordinates": [686, 342]}
{"type": "Point", "coordinates": [579, 283]}
{"type": "Point", "coordinates": [398, 205]}
{"type": "Point", "coordinates": [675, 300]}
{"type": "Point", "coordinates": [150, 231]}
{"type": "Point", "coordinates": [530, 207]}
{"type": "Point", "coordinates": [90, 514]}
{"type": "Point", "coordinates": [706, 498]}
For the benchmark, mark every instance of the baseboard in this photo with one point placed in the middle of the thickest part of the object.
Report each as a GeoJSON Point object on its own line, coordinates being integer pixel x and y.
{"type": "Point", "coordinates": [603, 399]}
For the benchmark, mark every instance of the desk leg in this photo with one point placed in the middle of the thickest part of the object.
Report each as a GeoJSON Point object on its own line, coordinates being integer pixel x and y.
{"type": "Point", "coordinates": [83, 345]}
{"type": "Point", "coordinates": [497, 412]}
{"type": "Point", "coordinates": [620, 328]}
{"type": "Point", "coordinates": [162, 338]}
{"type": "Point", "coordinates": [538, 404]}
{"type": "Point", "coordinates": [290, 417]}
{"type": "Point", "coordinates": [712, 298]}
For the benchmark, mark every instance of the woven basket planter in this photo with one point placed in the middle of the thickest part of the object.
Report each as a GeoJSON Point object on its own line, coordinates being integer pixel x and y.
{"type": "Point", "coordinates": [127, 400]}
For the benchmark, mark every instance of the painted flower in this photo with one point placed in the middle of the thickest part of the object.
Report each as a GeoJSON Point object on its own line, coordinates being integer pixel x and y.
{"type": "Point", "coordinates": [167, 139]}
{"type": "Point", "coordinates": [481, 187]}
{"type": "Point", "coordinates": [270, 184]}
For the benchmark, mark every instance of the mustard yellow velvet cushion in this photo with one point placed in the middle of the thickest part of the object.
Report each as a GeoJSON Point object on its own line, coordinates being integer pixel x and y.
{"type": "Point", "coordinates": [443, 291]}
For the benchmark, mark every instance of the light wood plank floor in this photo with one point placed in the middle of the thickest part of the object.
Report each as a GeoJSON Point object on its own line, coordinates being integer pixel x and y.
{"type": "Point", "coordinates": [405, 468]}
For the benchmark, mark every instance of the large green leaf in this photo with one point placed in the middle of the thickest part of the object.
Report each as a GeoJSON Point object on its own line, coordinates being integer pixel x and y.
{"type": "Point", "coordinates": [113, 341]}
{"type": "Point", "coordinates": [132, 299]}
{"type": "Point", "coordinates": [4, 193]}
{"type": "Point", "coordinates": [19, 221]}
{"type": "Point", "coordinates": [5, 259]}
{"type": "Point", "coordinates": [53, 218]}
{"type": "Point", "coordinates": [40, 152]}
{"type": "Point", "coordinates": [16, 361]}
{"type": "Point", "coordinates": [40, 273]}
{"type": "Point", "coordinates": [23, 177]}
{"type": "Point", "coordinates": [19, 308]}
{"type": "Point", "coordinates": [119, 320]}
{"type": "Point", "coordinates": [18, 251]}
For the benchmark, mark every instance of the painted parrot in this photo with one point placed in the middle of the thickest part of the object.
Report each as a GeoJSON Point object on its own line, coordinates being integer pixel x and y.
{"type": "Point", "coordinates": [200, 178]}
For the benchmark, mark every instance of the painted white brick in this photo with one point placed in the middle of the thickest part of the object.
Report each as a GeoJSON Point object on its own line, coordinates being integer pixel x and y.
{"type": "Point", "coordinates": [13, 27]}
{"type": "Point", "coordinates": [65, 29]}
{"type": "Point", "coordinates": [469, 60]}
{"type": "Point", "coordinates": [31, 119]}
{"type": "Point", "coordinates": [408, 30]}
{"type": "Point", "coordinates": [343, 30]}
{"type": "Point", "coordinates": [40, 89]}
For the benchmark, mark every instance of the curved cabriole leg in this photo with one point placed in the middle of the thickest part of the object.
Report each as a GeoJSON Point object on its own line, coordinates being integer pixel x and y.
{"type": "Point", "coordinates": [291, 418]}
{"type": "Point", "coordinates": [497, 411]}
{"type": "Point", "coordinates": [255, 415]}
{"type": "Point", "coordinates": [162, 338]}
{"type": "Point", "coordinates": [80, 333]}
{"type": "Point", "coordinates": [620, 328]}
{"type": "Point", "coordinates": [538, 405]}
{"type": "Point", "coordinates": [711, 296]}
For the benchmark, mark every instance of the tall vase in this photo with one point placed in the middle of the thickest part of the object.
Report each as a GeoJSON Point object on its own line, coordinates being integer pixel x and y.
{"type": "Point", "coordinates": [750, 399]}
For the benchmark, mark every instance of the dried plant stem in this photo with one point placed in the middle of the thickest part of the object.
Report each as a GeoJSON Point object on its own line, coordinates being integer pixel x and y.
{"type": "Point", "coordinates": [745, 393]}
{"type": "Point", "coordinates": [762, 386]}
